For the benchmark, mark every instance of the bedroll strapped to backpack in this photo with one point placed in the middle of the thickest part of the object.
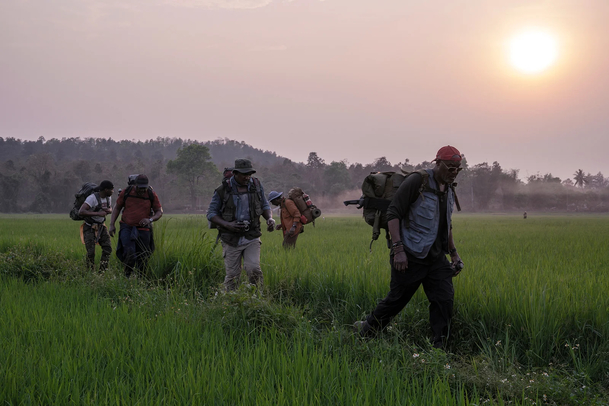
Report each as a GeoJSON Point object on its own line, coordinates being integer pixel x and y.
{"type": "Point", "coordinates": [80, 197]}
{"type": "Point", "coordinates": [304, 204]}
{"type": "Point", "coordinates": [378, 189]}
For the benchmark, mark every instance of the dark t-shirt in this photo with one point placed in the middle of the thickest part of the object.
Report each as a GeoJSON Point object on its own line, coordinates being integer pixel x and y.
{"type": "Point", "coordinates": [404, 197]}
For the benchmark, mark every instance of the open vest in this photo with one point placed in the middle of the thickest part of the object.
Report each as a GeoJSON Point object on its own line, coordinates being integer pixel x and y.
{"type": "Point", "coordinates": [421, 229]}
{"type": "Point", "coordinates": [227, 194]}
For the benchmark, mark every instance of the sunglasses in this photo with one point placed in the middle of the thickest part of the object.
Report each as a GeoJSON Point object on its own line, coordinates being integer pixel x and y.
{"type": "Point", "coordinates": [452, 169]}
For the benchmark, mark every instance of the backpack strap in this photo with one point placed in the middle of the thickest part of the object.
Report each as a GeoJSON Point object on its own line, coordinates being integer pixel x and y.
{"type": "Point", "coordinates": [426, 188]}
{"type": "Point", "coordinates": [453, 186]}
{"type": "Point", "coordinates": [257, 188]}
{"type": "Point", "coordinates": [224, 191]}
{"type": "Point", "coordinates": [99, 202]}
{"type": "Point", "coordinates": [128, 194]}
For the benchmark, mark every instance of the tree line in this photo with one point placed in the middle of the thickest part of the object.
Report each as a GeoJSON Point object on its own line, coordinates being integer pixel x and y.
{"type": "Point", "coordinates": [42, 176]}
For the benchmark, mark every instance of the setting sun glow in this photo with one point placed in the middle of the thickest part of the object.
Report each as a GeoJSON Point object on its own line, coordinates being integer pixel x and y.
{"type": "Point", "coordinates": [533, 51]}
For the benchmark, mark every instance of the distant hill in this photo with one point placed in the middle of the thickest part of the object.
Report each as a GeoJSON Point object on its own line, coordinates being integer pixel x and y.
{"type": "Point", "coordinates": [223, 151]}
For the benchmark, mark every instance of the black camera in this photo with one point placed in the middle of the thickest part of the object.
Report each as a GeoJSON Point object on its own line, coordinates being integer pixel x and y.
{"type": "Point", "coordinates": [245, 225]}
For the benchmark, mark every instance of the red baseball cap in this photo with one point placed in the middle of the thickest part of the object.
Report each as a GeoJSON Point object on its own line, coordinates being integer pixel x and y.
{"type": "Point", "coordinates": [448, 153]}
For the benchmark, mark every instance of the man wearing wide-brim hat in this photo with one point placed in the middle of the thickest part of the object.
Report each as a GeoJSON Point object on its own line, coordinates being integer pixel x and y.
{"type": "Point", "coordinates": [291, 219]}
{"type": "Point", "coordinates": [419, 220]}
{"type": "Point", "coordinates": [235, 209]}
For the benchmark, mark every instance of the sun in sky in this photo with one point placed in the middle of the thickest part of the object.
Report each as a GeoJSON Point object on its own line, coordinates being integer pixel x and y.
{"type": "Point", "coordinates": [533, 51]}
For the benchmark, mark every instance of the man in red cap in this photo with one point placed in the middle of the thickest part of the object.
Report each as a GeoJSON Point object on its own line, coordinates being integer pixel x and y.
{"type": "Point", "coordinates": [419, 221]}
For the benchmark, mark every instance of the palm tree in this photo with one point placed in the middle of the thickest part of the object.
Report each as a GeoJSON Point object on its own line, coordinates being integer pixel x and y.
{"type": "Point", "coordinates": [580, 178]}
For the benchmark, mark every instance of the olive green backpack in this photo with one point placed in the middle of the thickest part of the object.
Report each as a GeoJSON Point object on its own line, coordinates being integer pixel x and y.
{"type": "Point", "coordinates": [378, 189]}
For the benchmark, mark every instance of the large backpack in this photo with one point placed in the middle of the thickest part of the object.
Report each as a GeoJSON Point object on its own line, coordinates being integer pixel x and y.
{"type": "Point", "coordinates": [80, 197]}
{"type": "Point", "coordinates": [304, 204]}
{"type": "Point", "coordinates": [378, 189]}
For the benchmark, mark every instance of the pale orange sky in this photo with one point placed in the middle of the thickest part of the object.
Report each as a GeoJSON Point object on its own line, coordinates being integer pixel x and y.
{"type": "Point", "coordinates": [350, 79]}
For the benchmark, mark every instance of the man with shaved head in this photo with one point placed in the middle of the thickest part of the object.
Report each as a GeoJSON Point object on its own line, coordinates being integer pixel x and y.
{"type": "Point", "coordinates": [419, 221]}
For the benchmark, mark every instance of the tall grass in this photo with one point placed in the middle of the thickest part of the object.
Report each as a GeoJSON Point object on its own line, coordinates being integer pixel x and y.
{"type": "Point", "coordinates": [530, 319]}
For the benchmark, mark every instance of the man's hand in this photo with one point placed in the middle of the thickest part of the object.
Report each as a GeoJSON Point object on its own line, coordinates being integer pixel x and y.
{"type": "Point", "coordinates": [146, 222]}
{"type": "Point", "coordinates": [278, 227]}
{"type": "Point", "coordinates": [291, 231]}
{"type": "Point", "coordinates": [270, 222]}
{"type": "Point", "coordinates": [233, 226]}
{"type": "Point", "coordinates": [111, 230]}
{"type": "Point", "coordinates": [456, 263]}
{"type": "Point", "coordinates": [400, 262]}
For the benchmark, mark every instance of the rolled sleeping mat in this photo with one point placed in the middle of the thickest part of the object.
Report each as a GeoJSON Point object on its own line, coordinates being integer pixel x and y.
{"type": "Point", "coordinates": [315, 212]}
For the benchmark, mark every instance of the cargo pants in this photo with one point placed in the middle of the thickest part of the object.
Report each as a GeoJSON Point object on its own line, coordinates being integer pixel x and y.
{"type": "Point", "coordinates": [97, 234]}
{"type": "Point", "coordinates": [249, 254]}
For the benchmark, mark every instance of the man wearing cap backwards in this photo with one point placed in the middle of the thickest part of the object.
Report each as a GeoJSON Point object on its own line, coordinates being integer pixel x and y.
{"type": "Point", "coordinates": [236, 208]}
{"type": "Point", "coordinates": [419, 222]}
{"type": "Point", "coordinates": [94, 210]}
{"type": "Point", "coordinates": [140, 207]}
{"type": "Point", "coordinates": [291, 219]}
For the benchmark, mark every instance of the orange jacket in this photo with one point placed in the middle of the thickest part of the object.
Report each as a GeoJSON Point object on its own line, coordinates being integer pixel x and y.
{"type": "Point", "coordinates": [289, 216]}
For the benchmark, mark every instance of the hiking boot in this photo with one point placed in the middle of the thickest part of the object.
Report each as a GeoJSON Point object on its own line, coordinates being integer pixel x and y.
{"type": "Point", "coordinates": [362, 328]}
{"type": "Point", "coordinates": [439, 342]}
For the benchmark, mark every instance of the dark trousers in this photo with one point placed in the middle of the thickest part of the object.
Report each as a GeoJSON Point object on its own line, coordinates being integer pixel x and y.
{"type": "Point", "coordinates": [436, 279]}
{"type": "Point", "coordinates": [289, 241]}
{"type": "Point", "coordinates": [98, 234]}
{"type": "Point", "coordinates": [134, 248]}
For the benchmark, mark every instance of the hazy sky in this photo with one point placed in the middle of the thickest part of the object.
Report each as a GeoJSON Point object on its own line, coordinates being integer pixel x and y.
{"type": "Point", "coordinates": [352, 80]}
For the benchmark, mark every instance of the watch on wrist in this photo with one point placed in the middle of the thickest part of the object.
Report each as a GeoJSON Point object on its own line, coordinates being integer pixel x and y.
{"type": "Point", "coordinates": [452, 252]}
{"type": "Point", "coordinates": [397, 244]}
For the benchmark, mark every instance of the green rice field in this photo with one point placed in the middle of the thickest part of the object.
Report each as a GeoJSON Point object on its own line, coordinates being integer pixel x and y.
{"type": "Point", "coordinates": [531, 322]}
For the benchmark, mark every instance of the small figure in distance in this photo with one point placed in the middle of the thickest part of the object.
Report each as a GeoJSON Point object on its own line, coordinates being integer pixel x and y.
{"type": "Point", "coordinates": [419, 221]}
{"type": "Point", "coordinates": [235, 209]}
{"type": "Point", "coordinates": [94, 211]}
{"type": "Point", "coordinates": [292, 220]}
{"type": "Point", "coordinates": [524, 215]}
{"type": "Point", "coordinates": [140, 207]}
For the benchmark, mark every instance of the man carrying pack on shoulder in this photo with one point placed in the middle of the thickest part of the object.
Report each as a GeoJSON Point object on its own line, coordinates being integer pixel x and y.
{"type": "Point", "coordinates": [291, 219]}
{"type": "Point", "coordinates": [235, 209]}
{"type": "Point", "coordinates": [94, 211]}
{"type": "Point", "coordinates": [419, 221]}
{"type": "Point", "coordinates": [140, 207]}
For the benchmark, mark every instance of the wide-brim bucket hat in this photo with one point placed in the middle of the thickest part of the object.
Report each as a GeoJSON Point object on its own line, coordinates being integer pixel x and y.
{"type": "Point", "coordinates": [274, 195]}
{"type": "Point", "coordinates": [243, 166]}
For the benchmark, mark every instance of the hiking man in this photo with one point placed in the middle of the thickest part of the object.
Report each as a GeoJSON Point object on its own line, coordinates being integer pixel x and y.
{"type": "Point", "coordinates": [140, 207]}
{"type": "Point", "coordinates": [94, 211]}
{"type": "Point", "coordinates": [235, 209]}
{"type": "Point", "coordinates": [419, 222]}
{"type": "Point", "coordinates": [292, 220]}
